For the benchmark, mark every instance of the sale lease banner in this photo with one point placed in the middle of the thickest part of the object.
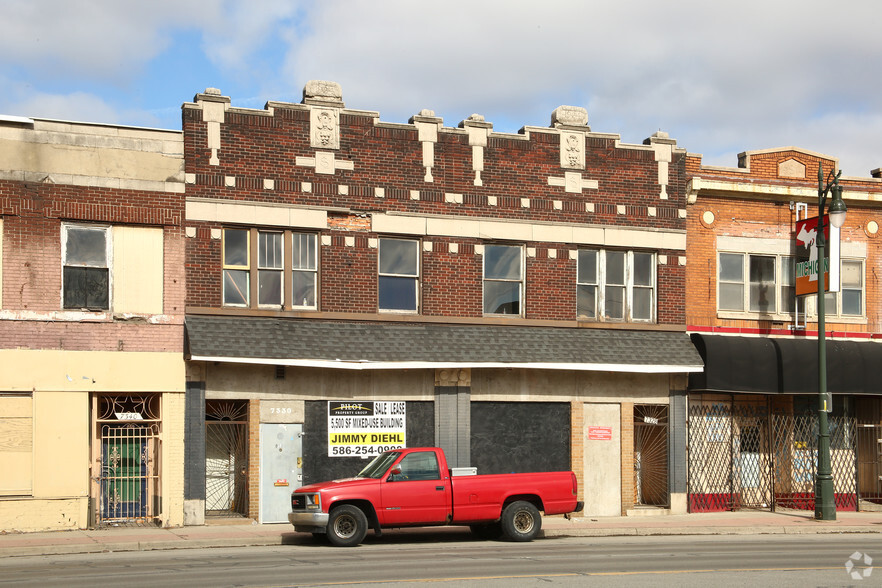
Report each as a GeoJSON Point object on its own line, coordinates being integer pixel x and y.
{"type": "Point", "coordinates": [365, 429]}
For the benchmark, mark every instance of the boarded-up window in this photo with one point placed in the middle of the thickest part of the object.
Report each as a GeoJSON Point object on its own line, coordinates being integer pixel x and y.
{"type": "Point", "coordinates": [16, 444]}
{"type": "Point", "coordinates": [137, 269]}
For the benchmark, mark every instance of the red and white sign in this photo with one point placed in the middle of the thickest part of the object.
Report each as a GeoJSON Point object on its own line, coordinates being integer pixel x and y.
{"type": "Point", "coordinates": [600, 433]}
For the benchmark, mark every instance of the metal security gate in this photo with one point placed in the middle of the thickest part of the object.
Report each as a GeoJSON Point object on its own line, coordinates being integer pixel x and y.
{"type": "Point", "coordinates": [651, 454]}
{"type": "Point", "coordinates": [742, 456]}
{"type": "Point", "coordinates": [127, 460]}
{"type": "Point", "coordinates": [226, 458]}
{"type": "Point", "coordinates": [729, 457]}
{"type": "Point", "coordinates": [869, 465]}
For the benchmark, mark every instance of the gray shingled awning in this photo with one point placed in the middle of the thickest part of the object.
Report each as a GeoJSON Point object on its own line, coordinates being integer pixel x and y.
{"type": "Point", "coordinates": [350, 345]}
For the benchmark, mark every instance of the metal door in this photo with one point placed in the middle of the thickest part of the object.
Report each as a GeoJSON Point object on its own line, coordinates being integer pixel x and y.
{"type": "Point", "coordinates": [280, 469]}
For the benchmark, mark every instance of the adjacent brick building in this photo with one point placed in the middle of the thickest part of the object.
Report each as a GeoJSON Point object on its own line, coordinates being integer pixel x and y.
{"type": "Point", "coordinates": [753, 409]}
{"type": "Point", "coordinates": [91, 325]}
{"type": "Point", "coordinates": [517, 299]}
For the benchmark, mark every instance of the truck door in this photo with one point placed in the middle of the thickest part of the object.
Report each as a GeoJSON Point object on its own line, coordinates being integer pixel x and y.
{"type": "Point", "coordinates": [418, 495]}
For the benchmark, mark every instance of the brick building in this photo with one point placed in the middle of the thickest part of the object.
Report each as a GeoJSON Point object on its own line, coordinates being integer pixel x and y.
{"type": "Point", "coordinates": [517, 299]}
{"type": "Point", "coordinates": [753, 410]}
{"type": "Point", "coordinates": [91, 325]}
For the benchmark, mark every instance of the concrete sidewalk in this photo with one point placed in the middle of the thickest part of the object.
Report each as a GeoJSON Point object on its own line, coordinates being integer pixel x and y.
{"type": "Point", "coordinates": [244, 532]}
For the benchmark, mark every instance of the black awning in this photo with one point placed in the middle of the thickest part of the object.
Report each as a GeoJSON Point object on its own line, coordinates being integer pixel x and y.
{"type": "Point", "coordinates": [761, 365]}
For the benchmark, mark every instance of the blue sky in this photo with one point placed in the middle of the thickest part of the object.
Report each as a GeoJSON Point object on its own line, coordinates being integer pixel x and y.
{"type": "Point", "coordinates": [720, 78]}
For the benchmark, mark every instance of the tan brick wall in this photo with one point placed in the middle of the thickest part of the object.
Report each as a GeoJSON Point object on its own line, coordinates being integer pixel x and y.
{"type": "Point", "coordinates": [577, 444]}
{"type": "Point", "coordinates": [629, 494]}
{"type": "Point", "coordinates": [254, 459]}
{"type": "Point", "coordinates": [172, 459]}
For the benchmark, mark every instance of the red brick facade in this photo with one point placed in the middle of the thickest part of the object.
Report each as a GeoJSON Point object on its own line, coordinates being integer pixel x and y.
{"type": "Point", "coordinates": [386, 174]}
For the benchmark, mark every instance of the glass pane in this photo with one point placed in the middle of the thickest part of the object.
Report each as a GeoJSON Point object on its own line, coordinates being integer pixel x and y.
{"type": "Point", "coordinates": [587, 271]}
{"type": "Point", "coordinates": [788, 271]}
{"type": "Point", "coordinates": [731, 297]}
{"type": "Point", "coordinates": [851, 274]}
{"type": "Point", "coordinates": [86, 247]}
{"type": "Point", "coordinates": [304, 289]}
{"type": "Point", "coordinates": [86, 287]}
{"type": "Point", "coordinates": [731, 267]}
{"type": "Point", "coordinates": [762, 284]}
{"type": "Point", "coordinates": [615, 268]}
{"type": "Point", "coordinates": [642, 308]}
{"type": "Point", "coordinates": [586, 301]}
{"type": "Point", "coordinates": [398, 257]}
{"type": "Point", "coordinates": [269, 287]}
{"type": "Point", "coordinates": [643, 269]}
{"type": "Point", "coordinates": [614, 302]}
{"type": "Point", "coordinates": [303, 256]}
{"type": "Point", "coordinates": [502, 262]}
{"type": "Point", "coordinates": [269, 250]}
{"type": "Point", "coordinates": [852, 302]}
{"type": "Point", "coordinates": [236, 287]}
{"type": "Point", "coordinates": [788, 299]}
{"type": "Point", "coordinates": [502, 297]}
{"type": "Point", "coordinates": [830, 306]}
{"type": "Point", "coordinates": [235, 248]}
{"type": "Point", "coordinates": [397, 293]}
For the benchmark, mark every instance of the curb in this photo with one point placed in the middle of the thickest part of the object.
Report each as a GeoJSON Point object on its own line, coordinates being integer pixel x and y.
{"type": "Point", "coordinates": [275, 540]}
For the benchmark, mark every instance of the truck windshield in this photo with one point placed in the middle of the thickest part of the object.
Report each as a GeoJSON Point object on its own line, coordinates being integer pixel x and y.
{"type": "Point", "coordinates": [379, 465]}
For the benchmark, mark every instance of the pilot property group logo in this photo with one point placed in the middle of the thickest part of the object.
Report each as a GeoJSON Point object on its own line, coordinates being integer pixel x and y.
{"type": "Point", "coordinates": [364, 429]}
{"type": "Point", "coordinates": [852, 566]}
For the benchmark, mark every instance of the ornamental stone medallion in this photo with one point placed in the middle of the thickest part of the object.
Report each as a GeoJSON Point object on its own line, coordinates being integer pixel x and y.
{"type": "Point", "coordinates": [572, 150]}
{"type": "Point", "coordinates": [325, 128]}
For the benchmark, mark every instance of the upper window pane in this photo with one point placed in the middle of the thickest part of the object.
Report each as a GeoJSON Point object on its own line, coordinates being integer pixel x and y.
{"type": "Point", "coordinates": [587, 267]}
{"type": "Point", "coordinates": [731, 267]}
{"type": "Point", "coordinates": [304, 251]}
{"type": "Point", "coordinates": [86, 247]}
{"type": "Point", "coordinates": [235, 248]}
{"type": "Point", "coordinates": [398, 257]}
{"type": "Point", "coordinates": [615, 267]}
{"type": "Point", "coordinates": [762, 284]}
{"type": "Point", "coordinates": [269, 250]}
{"type": "Point", "coordinates": [502, 262]}
{"type": "Point", "coordinates": [643, 269]}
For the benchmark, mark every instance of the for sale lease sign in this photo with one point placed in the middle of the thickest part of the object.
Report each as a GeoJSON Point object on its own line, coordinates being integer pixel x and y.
{"type": "Point", "coordinates": [365, 429]}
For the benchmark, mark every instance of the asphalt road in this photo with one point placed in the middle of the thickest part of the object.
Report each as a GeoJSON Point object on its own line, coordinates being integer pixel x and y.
{"type": "Point", "coordinates": [459, 561]}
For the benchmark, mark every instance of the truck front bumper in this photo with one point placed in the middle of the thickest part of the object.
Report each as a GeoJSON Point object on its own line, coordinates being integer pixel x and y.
{"type": "Point", "coordinates": [308, 522]}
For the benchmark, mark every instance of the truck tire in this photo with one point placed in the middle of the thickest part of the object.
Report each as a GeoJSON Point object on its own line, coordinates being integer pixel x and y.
{"type": "Point", "coordinates": [347, 526]}
{"type": "Point", "coordinates": [520, 521]}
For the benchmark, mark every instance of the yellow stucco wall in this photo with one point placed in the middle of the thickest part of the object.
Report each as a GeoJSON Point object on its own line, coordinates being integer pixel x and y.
{"type": "Point", "coordinates": [91, 371]}
{"type": "Point", "coordinates": [172, 460]}
{"type": "Point", "coordinates": [61, 444]}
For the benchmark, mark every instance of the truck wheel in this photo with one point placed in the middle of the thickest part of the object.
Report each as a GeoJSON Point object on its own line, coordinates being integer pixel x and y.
{"type": "Point", "coordinates": [521, 521]}
{"type": "Point", "coordinates": [486, 530]}
{"type": "Point", "coordinates": [347, 526]}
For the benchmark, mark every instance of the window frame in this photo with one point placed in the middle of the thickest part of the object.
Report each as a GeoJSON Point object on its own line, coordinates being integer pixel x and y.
{"type": "Point", "coordinates": [107, 266]}
{"type": "Point", "coordinates": [521, 280]}
{"type": "Point", "coordinates": [415, 277]}
{"type": "Point", "coordinates": [628, 285]}
{"type": "Point", "coordinates": [312, 271]}
{"type": "Point", "coordinates": [833, 308]}
{"type": "Point", "coordinates": [781, 286]}
{"type": "Point", "coordinates": [254, 265]}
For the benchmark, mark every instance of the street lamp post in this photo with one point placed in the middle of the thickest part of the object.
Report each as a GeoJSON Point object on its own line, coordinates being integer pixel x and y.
{"type": "Point", "coordinates": [825, 505]}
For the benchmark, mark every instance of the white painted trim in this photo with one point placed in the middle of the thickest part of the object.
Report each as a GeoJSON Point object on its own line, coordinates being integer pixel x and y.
{"type": "Point", "coordinates": [409, 365]}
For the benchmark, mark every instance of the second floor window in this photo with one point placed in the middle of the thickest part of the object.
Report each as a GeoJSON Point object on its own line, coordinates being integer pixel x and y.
{"type": "Point", "coordinates": [503, 279]}
{"type": "Point", "coordinates": [86, 267]}
{"type": "Point", "coordinates": [756, 283]}
{"type": "Point", "coordinates": [398, 275]}
{"type": "Point", "coordinates": [304, 264]}
{"type": "Point", "coordinates": [615, 285]}
{"type": "Point", "coordinates": [237, 267]}
{"type": "Point", "coordinates": [266, 268]}
{"type": "Point", "coordinates": [849, 301]}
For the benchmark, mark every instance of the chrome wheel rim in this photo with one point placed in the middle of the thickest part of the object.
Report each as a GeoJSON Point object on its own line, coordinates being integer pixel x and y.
{"type": "Point", "coordinates": [523, 521]}
{"type": "Point", "coordinates": [344, 526]}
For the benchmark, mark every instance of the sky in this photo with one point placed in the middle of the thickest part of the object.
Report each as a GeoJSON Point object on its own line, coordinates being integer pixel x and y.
{"type": "Point", "coordinates": [719, 77]}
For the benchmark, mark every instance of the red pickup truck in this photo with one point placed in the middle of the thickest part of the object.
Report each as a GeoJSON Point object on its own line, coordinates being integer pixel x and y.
{"type": "Point", "coordinates": [414, 488]}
